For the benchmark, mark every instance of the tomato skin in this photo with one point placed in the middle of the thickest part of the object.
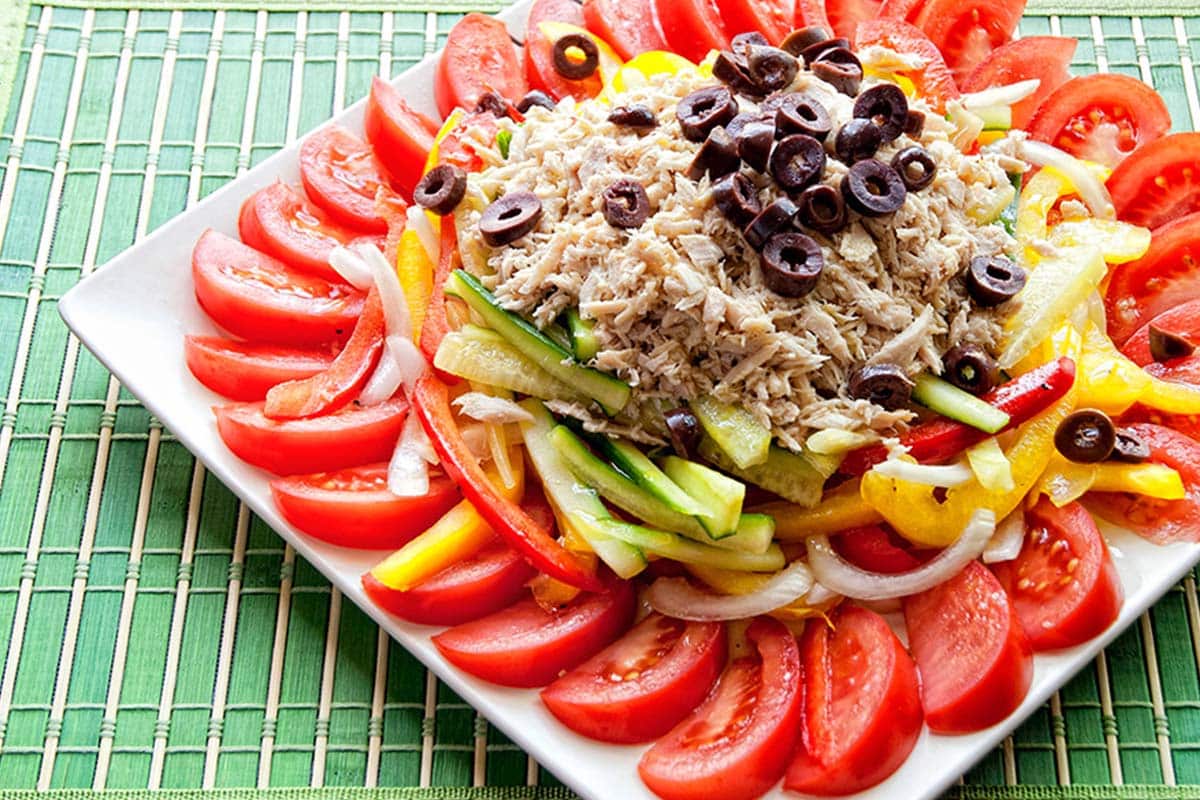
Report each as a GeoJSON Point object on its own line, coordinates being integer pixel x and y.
{"type": "Point", "coordinates": [876, 548]}
{"type": "Point", "coordinates": [478, 57]}
{"type": "Point", "coordinates": [673, 665]}
{"type": "Point", "coordinates": [975, 662]}
{"type": "Point", "coordinates": [1158, 182]}
{"type": "Point", "coordinates": [630, 26]}
{"type": "Point", "coordinates": [1044, 58]}
{"type": "Point", "coordinates": [348, 438]}
{"type": "Point", "coordinates": [400, 136]}
{"type": "Point", "coordinates": [906, 10]}
{"type": "Point", "coordinates": [862, 704]}
{"type": "Point", "coordinates": [966, 31]}
{"type": "Point", "coordinates": [691, 27]}
{"type": "Point", "coordinates": [1167, 276]}
{"type": "Point", "coordinates": [1101, 117]}
{"type": "Point", "coordinates": [771, 18]}
{"type": "Point", "coordinates": [526, 647]}
{"type": "Point", "coordinates": [1182, 320]}
{"type": "Point", "coordinates": [341, 175]}
{"type": "Point", "coordinates": [812, 12]}
{"type": "Point", "coordinates": [737, 743]}
{"type": "Point", "coordinates": [844, 15]}
{"type": "Point", "coordinates": [934, 81]}
{"type": "Point", "coordinates": [539, 52]}
{"type": "Point", "coordinates": [246, 371]}
{"type": "Point", "coordinates": [256, 297]}
{"type": "Point", "coordinates": [353, 508]}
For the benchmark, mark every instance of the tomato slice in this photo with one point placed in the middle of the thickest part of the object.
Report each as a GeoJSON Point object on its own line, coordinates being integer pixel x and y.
{"type": "Point", "coordinates": [1167, 276]}
{"type": "Point", "coordinates": [1159, 182]}
{"type": "Point", "coordinates": [479, 56]}
{"type": "Point", "coordinates": [341, 175]}
{"type": "Point", "coordinates": [966, 31]}
{"type": "Point", "coordinates": [862, 704]}
{"type": "Point", "coordinates": [933, 81]}
{"type": "Point", "coordinates": [348, 438]}
{"type": "Point", "coordinates": [400, 136]}
{"type": "Point", "coordinates": [774, 19]}
{"type": "Point", "coordinates": [691, 27]}
{"type": "Point", "coordinates": [1181, 320]}
{"type": "Point", "coordinates": [539, 51]}
{"type": "Point", "coordinates": [906, 10]}
{"type": "Point", "coordinates": [353, 508]}
{"type": "Point", "coordinates": [642, 685]}
{"type": "Point", "coordinates": [526, 646]}
{"type": "Point", "coordinates": [628, 25]}
{"type": "Point", "coordinates": [256, 297]}
{"type": "Point", "coordinates": [974, 659]}
{"type": "Point", "coordinates": [737, 743]}
{"type": "Point", "coordinates": [878, 548]}
{"type": "Point", "coordinates": [1101, 117]}
{"type": "Point", "coordinates": [1160, 521]}
{"type": "Point", "coordinates": [844, 15]}
{"type": "Point", "coordinates": [1042, 58]}
{"type": "Point", "coordinates": [812, 13]}
{"type": "Point", "coordinates": [245, 370]}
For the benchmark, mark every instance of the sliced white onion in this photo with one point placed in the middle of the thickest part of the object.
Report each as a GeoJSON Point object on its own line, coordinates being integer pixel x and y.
{"type": "Point", "coordinates": [1005, 544]}
{"type": "Point", "coordinates": [384, 381]}
{"type": "Point", "coordinates": [418, 223]}
{"type": "Point", "coordinates": [839, 575]}
{"type": "Point", "coordinates": [1089, 187]}
{"type": "Point", "coordinates": [947, 475]}
{"type": "Point", "coordinates": [819, 595]}
{"type": "Point", "coordinates": [486, 408]}
{"type": "Point", "coordinates": [1001, 95]}
{"type": "Point", "coordinates": [353, 269]}
{"type": "Point", "coordinates": [409, 359]}
{"type": "Point", "coordinates": [396, 320]}
{"type": "Point", "coordinates": [675, 597]}
{"type": "Point", "coordinates": [408, 471]}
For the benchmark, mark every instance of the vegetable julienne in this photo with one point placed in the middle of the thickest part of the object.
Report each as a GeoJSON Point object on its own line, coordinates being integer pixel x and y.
{"type": "Point", "coordinates": [790, 327]}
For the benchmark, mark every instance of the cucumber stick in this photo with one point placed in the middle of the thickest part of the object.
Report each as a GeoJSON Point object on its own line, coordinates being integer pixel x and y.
{"type": "Point", "coordinates": [483, 356]}
{"type": "Point", "coordinates": [950, 401]}
{"type": "Point", "coordinates": [686, 551]}
{"type": "Point", "coordinates": [734, 429]}
{"type": "Point", "coordinates": [634, 463]}
{"type": "Point", "coordinates": [787, 474]}
{"type": "Point", "coordinates": [720, 496]}
{"type": "Point", "coordinates": [610, 392]}
{"type": "Point", "coordinates": [583, 336]}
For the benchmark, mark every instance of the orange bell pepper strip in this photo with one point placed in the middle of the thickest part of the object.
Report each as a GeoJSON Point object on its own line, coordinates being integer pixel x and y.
{"type": "Point", "coordinates": [839, 510]}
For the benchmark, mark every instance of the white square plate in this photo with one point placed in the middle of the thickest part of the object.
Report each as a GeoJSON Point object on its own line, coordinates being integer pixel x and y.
{"type": "Point", "coordinates": [144, 349]}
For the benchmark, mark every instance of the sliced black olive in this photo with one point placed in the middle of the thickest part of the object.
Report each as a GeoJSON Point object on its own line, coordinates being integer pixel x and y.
{"type": "Point", "coordinates": [442, 189]}
{"type": "Point", "coordinates": [798, 113]}
{"type": "Point", "coordinates": [857, 140]}
{"type": "Point", "coordinates": [915, 167]}
{"type": "Point", "coordinates": [886, 106]}
{"type": "Point", "coordinates": [971, 369]}
{"type": "Point", "coordinates": [841, 69]}
{"type": "Point", "coordinates": [772, 219]}
{"type": "Point", "coordinates": [732, 69]}
{"type": "Point", "coordinates": [791, 264]}
{"type": "Point", "coordinates": [509, 218]}
{"type": "Point", "coordinates": [717, 157]}
{"type": "Point", "coordinates": [1129, 447]}
{"type": "Point", "coordinates": [992, 280]}
{"type": "Point", "coordinates": [735, 197]}
{"type": "Point", "coordinates": [1087, 436]}
{"type": "Point", "coordinates": [770, 68]}
{"type": "Point", "coordinates": [685, 431]}
{"type": "Point", "coordinates": [797, 161]}
{"type": "Point", "coordinates": [535, 98]}
{"type": "Point", "coordinates": [1165, 345]}
{"type": "Point", "coordinates": [914, 123]}
{"type": "Point", "coordinates": [571, 66]}
{"type": "Point", "coordinates": [626, 204]}
{"type": "Point", "coordinates": [873, 189]}
{"type": "Point", "coordinates": [814, 51]}
{"type": "Point", "coordinates": [754, 143]}
{"type": "Point", "coordinates": [802, 38]}
{"type": "Point", "coordinates": [704, 110]}
{"type": "Point", "coordinates": [491, 103]}
{"type": "Point", "coordinates": [822, 209]}
{"type": "Point", "coordinates": [637, 116]}
{"type": "Point", "coordinates": [884, 385]}
{"type": "Point", "coordinates": [742, 43]}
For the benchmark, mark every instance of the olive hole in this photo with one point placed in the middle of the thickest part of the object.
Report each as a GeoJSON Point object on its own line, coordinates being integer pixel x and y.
{"type": "Point", "coordinates": [967, 373]}
{"type": "Point", "coordinates": [575, 54]}
{"type": "Point", "coordinates": [998, 272]}
{"type": "Point", "coordinates": [808, 113]}
{"type": "Point", "coordinates": [510, 213]}
{"type": "Point", "coordinates": [705, 105]}
{"type": "Point", "coordinates": [877, 186]}
{"type": "Point", "coordinates": [435, 186]}
{"type": "Point", "coordinates": [915, 171]}
{"type": "Point", "coordinates": [794, 257]}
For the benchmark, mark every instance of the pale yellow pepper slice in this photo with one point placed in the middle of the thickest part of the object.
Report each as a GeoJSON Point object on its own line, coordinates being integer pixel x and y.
{"type": "Point", "coordinates": [839, 510]}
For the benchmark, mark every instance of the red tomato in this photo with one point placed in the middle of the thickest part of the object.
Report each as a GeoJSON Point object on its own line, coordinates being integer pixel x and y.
{"type": "Point", "coordinates": [876, 548]}
{"type": "Point", "coordinates": [862, 704]}
{"type": "Point", "coordinates": [1167, 276]}
{"type": "Point", "coordinates": [691, 27]}
{"type": "Point", "coordinates": [1187, 424]}
{"type": "Point", "coordinates": [244, 370]}
{"type": "Point", "coordinates": [1101, 117]}
{"type": "Point", "coordinates": [844, 15]}
{"type": "Point", "coordinates": [1181, 320]}
{"type": "Point", "coordinates": [256, 297]}
{"type": "Point", "coordinates": [772, 18]}
{"type": "Point", "coordinates": [933, 81]}
{"type": "Point", "coordinates": [975, 661]}
{"type": "Point", "coordinates": [736, 745]}
{"type": "Point", "coordinates": [400, 136]}
{"type": "Point", "coordinates": [812, 13]}
{"type": "Point", "coordinates": [628, 25]}
{"type": "Point", "coordinates": [527, 646]}
{"type": "Point", "coordinates": [1063, 585]}
{"type": "Point", "coordinates": [1159, 182]}
{"type": "Point", "coordinates": [906, 10]}
{"type": "Point", "coordinates": [966, 31]}
{"type": "Point", "coordinates": [341, 175]}
{"type": "Point", "coordinates": [539, 51]}
{"type": "Point", "coordinates": [1044, 58]}
{"type": "Point", "coordinates": [353, 507]}
{"type": "Point", "coordinates": [478, 57]}
{"type": "Point", "coordinates": [642, 685]}
{"type": "Point", "coordinates": [348, 438]}
{"type": "Point", "coordinates": [484, 584]}
{"type": "Point", "coordinates": [1160, 521]}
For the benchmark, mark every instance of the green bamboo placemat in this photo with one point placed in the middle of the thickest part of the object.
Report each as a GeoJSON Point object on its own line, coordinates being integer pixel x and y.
{"type": "Point", "coordinates": [155, 635]}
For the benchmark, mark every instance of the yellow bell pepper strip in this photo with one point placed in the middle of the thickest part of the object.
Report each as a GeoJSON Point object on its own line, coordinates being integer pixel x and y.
{"type": "Point", "coordinates": [1066, 481]}
{"type": "Point", "coordinates": [637, 72]}
{"type": "Point", "coordinates": [839, 510]}
{"type": "Point", "coordinates": [1037, 200]}
{"type": "Point", "coordinates": [415, 271]}
{"type": "Point", "coordinates": [1113, 383]}
{"type": "Point", "coordinates": [1119, 242]}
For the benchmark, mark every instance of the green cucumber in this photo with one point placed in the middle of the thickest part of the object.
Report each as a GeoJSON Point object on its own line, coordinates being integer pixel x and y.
{"type": "Point", "coordinates": [634, 463]}
{"type": "Point", "coordinates": [787, 474]}
{"type": "Point", "coordinates": [720, 496]}
{"type": "Point", "coordinates": [995, 118]}
{"type": "Point", "coordinates": [583, 336]}
{"type": "Point", "coordinates": [483, 356]}
{"type": "Point", "coordinates": [734, 429]}
{"type": "Point", "coordinates": [686, 551]}
{"type": "Point", "coordinates": [610, 392]}
{"type": "Point", "coordinates": [755, 534]}
{"type": "Point", "coordinates": [950, 401]}
{"type": "Point", "coordinates": [504, 141]}
{"type": "Point", "coordinates": [1008, 217]}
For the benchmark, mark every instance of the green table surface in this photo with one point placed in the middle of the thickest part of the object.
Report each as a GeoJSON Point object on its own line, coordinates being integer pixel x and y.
{"type": "Point", "coordinates": [155, 635]}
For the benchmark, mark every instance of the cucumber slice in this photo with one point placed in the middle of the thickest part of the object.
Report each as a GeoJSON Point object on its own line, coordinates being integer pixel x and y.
{"type": "Point", "coordinates": [483, 356]}
{"type": "Point", "coordinates": [634, 463]}
{"type": "Point", "coordinates": [734, 429]}
{"type": "Point", "coordinates": [755, 533]}
{"type": "Point", "coordinates": [950, 401]}
{"type": "Point", "coordinates": [995, 118]}
{"type": "Point", "coordinates": [720, 496]}
{"type": "Point", "coordinates": [583, 336]}
{"type": "Point", "coordinates": [789, 475]}
{"type": "Point", "coordinates": [611, 393]}
{"type": "Point", "coordinates": [677, 548]}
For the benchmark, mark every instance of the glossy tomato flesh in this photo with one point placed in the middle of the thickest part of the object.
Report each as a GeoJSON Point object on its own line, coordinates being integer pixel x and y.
{"type": "Point", "coordinates": [844, 15]}
{"type": "Point", "coordinates": [967, 31]}
{"type": "Point", "coordinates": [400, 136]}
{"type": "Point", "coordinates": [478, 57]}
{"type": "Point", "coordinates": [342, 176]}
{"type": "Point", "coordinates": [1167, 276]}
{"type": "Point", "coordinates": [1159, 182]}
{"type": "Point", "coordinates": [1041, 58]}
{"type": "Point", "coordinates": [1181, 320]}
{"type": "Point", "coordinates": [772, 18]}
{"type": "Point", "coordinates": [628, 25]}
{"type": "Point", "coordinates": [539, 52]}
{"type": "Point", "coordinates": [691, 27]}
{"type": "Point", "coordinates": [245, 370]}
{"type": "Point", "coordinates": [878, 548]}
{"type": "Point", "coordinates": [933, 80]}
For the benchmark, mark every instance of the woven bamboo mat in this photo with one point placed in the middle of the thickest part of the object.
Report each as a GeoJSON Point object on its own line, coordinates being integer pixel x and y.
{"type": "Point", "coordinates": [153, 634]}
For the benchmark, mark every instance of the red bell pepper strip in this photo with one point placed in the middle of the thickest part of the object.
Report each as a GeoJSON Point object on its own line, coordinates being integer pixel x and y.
{"type": "Point", "coordinates": [431, 400]}
{"type": "Point", "coordinates": [437, 323]}
{"type": "Point", "coordinates": [1021, 398]}
{"type": "Point", "coordinates": [332, 388]}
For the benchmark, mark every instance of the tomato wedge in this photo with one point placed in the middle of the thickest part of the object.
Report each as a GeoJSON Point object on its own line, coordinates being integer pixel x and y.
{"type": "Point", "coordinates": [906, 10]}
{"type": "Point", "coordinates": [353, 508]}
{"type": "Point", "coordinates": [862, 704]}
{"type": "Point", "coordinates": [736, 744]}
{"type": "Point", "coordinates": [400, 136]}
{"type": "Point", "coordinates": [256, 297]}
{"type": "Point", "coordinates": [966, 31]}
{"type": "Point", "coordinates": [1159, 182]}
{"type": "Point", "coordinates": [1101, 117]}
{"type": "Point", "coordinates": [1167, 276]}
{"type": "Point", "coordinates": [1042, 58]}
{"type": "Point", "coordinates": [1181, 320]}
{"type": "Point", "coordinates": [526, 646]}
{"type": "Point", "coordinates": [691, 27]}
{"type": "Point", "coordinates": [933, 81]}
{"type": "Point", "coordinates": [974, 659]}
{"type": "Point", "coordinates": [1160, 521]}
{"type": "Point", "coordinates": [772, 18]}
{"type": "Point", "coordinates": [642, 685]}
{"type": "Point", "coordinates": [478, 57]}
{"type": "Point", "coordinates": [628, 25]}
{"type": "Point", "coordinates": [812, 13]}
{"type": "Point", "coordinates": [539, 51]}
{"type": "Point", "coordinates": [844, 15]}
{"type": "Point", "coordinates": [878, 548]}
{"type": "Point", "coordinates": [341, 175]}
{"type": "Point", "coordinates": [348, 438]}
{"type": "Point", "coordinates": [245, 370]}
